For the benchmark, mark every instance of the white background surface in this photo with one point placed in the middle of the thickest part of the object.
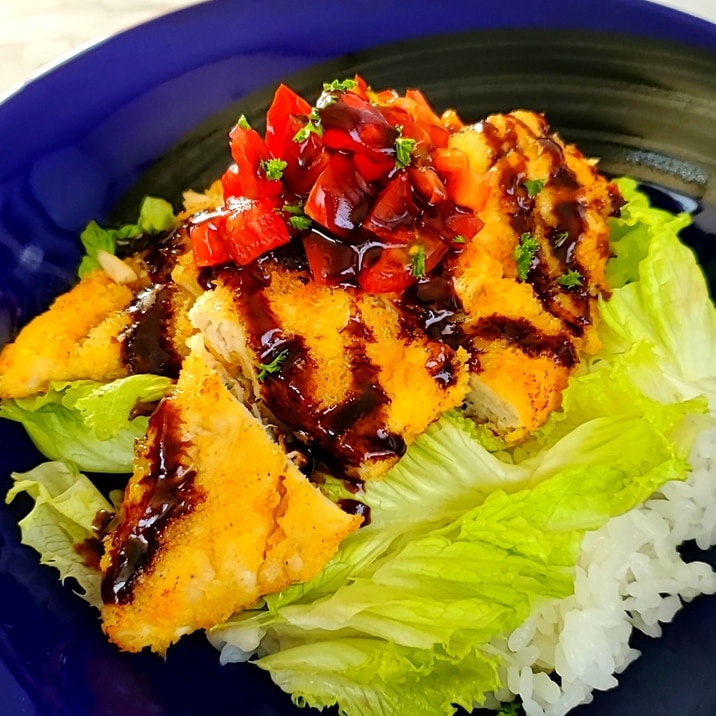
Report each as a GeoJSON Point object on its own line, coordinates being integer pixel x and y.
{"type": "Point", "coordinates": [33, 33]}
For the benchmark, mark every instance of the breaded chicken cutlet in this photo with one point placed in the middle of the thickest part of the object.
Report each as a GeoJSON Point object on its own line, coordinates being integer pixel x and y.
{"type": "Point", "coordinates": [402, 266]}
{"type": "Point", "coordinates": [204, 531]}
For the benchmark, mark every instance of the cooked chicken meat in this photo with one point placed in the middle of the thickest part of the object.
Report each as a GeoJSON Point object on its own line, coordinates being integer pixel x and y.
{"type": "Point", "coordinates": [214, 516]}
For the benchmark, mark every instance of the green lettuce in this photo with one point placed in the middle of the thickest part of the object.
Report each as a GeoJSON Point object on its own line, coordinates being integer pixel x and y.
{"type": "Point", "coordinates": [61, 520]}
{"type": "Point", "coordinates": [461, 549]}
{"type": "Point", "coordinates": [463, 544]}
{"type": "Point", "coordinates": [88, 423]}
{"type": "Point", "coordinates": [155, 216]}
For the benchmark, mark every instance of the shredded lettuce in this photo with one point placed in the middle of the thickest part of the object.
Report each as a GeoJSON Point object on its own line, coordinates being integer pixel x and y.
{"type": "Point", "coordinates": [87, 423]}
{"type": "Point", "coordinates": [66, 504]}
{"type": "Point", "coordinates": [155, 215]}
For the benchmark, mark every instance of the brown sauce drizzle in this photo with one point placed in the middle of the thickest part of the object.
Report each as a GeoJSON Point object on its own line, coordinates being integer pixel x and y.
{"type": "Point", "coordinates": [92, 549]}
{"type": "Point", "coordinates": [146, 346]}
{"type": "Point", "coordinates": [570, 305]}
{"type": "Point", "coordinates": [355, 507]}
{"type": "Point", "coordinates": [352, 431]}
{"type": "Point", "coordinates": [169, 494]}
{"type": "Point", "coordinates": [530, 340]}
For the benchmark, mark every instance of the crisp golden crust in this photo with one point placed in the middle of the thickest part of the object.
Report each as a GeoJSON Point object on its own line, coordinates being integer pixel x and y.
{"type": "Point", "coordinates": [77, 337]}
{"type": "Point", "coordinates": [236, 528]}
{"type": "Point", "coordinates": [348, 353]}
{"type": "Point", "coordinates": [541, 190]}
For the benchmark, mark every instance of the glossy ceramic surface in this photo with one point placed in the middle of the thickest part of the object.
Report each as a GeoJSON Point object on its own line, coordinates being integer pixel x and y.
{"type": "Point", "coordinates": [149, 111]}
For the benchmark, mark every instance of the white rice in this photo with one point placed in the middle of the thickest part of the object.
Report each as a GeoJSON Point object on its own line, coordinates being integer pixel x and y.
{"type": "Point", "coordinates": [629, 575]}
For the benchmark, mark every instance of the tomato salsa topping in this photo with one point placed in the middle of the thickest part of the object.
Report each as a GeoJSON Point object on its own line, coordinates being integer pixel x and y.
{"type": "Point", "coordinates": [364, 182]}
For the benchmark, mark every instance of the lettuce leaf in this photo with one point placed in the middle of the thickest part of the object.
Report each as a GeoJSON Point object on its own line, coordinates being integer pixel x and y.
{"type": "Point", "coordinates": [66, 504]}
{"type": "Point", "coordinates": [665, 319]}
{"type": "Point", "coordinates": [155, 215]}
{"type": "Point", "coordinates": [88, 423]}
{"type": "Point", "coordinates": [462, 548]}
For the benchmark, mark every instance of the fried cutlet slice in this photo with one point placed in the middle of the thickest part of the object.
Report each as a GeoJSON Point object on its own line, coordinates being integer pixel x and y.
{"type": "Point", "coordinates": [102, 329]}
{"type": "Point", "coordinates": [214, 516]}
{"type": "Point", "coordinates": [75, 338]}
{"type": "Point", "coordinates": [331, 363]}
{"type": "Point", "coordinates": [528, 282]}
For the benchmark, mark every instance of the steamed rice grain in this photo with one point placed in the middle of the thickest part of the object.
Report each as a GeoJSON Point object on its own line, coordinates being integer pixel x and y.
{"type": "Point", "coordinates": [630, 575]}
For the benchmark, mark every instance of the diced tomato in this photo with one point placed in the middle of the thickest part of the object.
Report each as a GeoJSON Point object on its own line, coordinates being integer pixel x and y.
{"type": "Point", "coordinates": [394, 269]}
{"type": "Point", "coordinates": [425, 115]}
{"type": "Point", "coordinates": [286, 115]}
{"type": "Point", "coordinates": [207, 242]}
{"type": "Point", "coordinates": [305, 160]}
{"type": "Point", "coordinates": [353, 124]}
{"type": "Point", "coordinates": [465, 187]}
{"type": "Point", "coordinates": [331, 262]}
{"type": "Point", "coordinates": [340, 198]}
{"type": "Point", "coordinates": [390, 273]}
{"type": "Point", "coordinates": [249, 150]}
{"type": "Point", "coordinates": [428, 184]}
{"type": "Point", "coordinates": [361, 88]}
{"type": "Point", "coordinates": [393, 214]}
{"type": "Point", "coordinates": [252, 228]}
{"type": "Point", "coordinates": [450, 221]}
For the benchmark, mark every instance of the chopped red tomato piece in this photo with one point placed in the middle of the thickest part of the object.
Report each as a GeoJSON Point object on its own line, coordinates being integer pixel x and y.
{"type": "Point", "coordinates": [288, 115]}
{"type": "Point", "coordinates": [390, 272]}
{"type": "Point", "coordinates": [392, 216]}
{"type": "Point", "coordinates": [249, 152]}
{"type": "Point", "coordinates": [428, 184]}
{"type": "Point", "coordinates": [397, 267]}
{"type": "Point", "coordinates": [207, 242]}
{"type": "Point", "coordinates": [252, 228]}
{"type": "Point", "coordinates": [340, 197]}
{"type": "Point", "coordinates": [353, 124]}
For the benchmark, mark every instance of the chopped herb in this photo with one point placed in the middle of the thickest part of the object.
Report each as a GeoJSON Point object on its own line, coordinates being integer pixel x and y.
{"type": "Point", "coordinates": [417, 261]}
{"type": "Point", "coordinates": [534, 186]}
{"type": "Point", "coordinates": [560, 238]}
{"type": "Point", "coordinates": [293, 209]}
{"type": "Point", "coordinates": [458, 239]}
{"type": "Point", "coordinates": [524, 254]}
{"type": "Point", "coordinates": [273, 168]}
{"type": "Point", "coordinates": [300, 222]}
{"type": "Point", "coordinates": [403, 150]}
{"type": "Point", "coordinates": [266, 369]}
{"type": "Point", "coordinates": [339, 85]}
{"type": "Point", "coordinates": [243, 122]}
{"type": "Point", "coordinates": [297, 218]}
{"type": "Point", "coordinates": [569, 279]}
{"type": "Point", "coordinates": [312, 126]}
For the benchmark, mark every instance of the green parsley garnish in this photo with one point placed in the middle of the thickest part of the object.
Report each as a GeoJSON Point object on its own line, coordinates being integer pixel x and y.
{"type": "Point", "coordinates": [312, 126]}
{"type": "Point", "coordinates": [458, 239]}
{"type": "Point", "coordinates": [297, 218]}
{"type": "Point", "coordinates": [524, 254]}
{"type": "Point", "coordinates": [569, 279]}
{"type": "Point", "coordinates": [417, 261]}
{"type": "Point", "coordinates": [511, 709]}
{"type": "Point", "coordinates": [534, 186]}
{"type": "Point", "coordinates": [273, 168]}
{"type": "Point", "coordinates": [243, 122]}
{"type": "Point", "coordinates": [339, 85]}
{"type": "Point", "coordinates": [266, 369]}
{"type": "Point", "coordinates": [300, 222]}
{"type": "Point", "coordinates": [403, 150]}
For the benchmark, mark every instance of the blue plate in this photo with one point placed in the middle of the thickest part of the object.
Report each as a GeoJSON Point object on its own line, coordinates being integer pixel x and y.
{"type": "Point", "coordinates": [85, 140]}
